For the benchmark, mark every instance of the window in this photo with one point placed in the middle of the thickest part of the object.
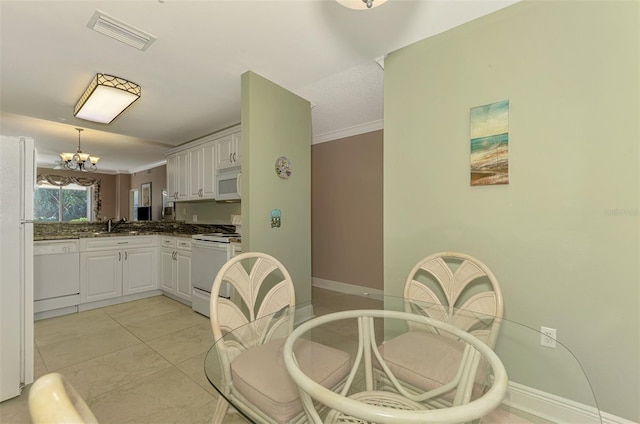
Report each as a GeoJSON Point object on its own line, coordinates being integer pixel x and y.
{"type": "Point", "coordinates": [60, 198]}
{"type": "Point", "coordinates": [52, 203]}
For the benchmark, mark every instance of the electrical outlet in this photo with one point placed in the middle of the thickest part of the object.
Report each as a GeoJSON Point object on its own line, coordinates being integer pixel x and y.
{"type": "Point", "coordinates": [195, 218]}
{"type": "Point", "coordinates": [548, 337]}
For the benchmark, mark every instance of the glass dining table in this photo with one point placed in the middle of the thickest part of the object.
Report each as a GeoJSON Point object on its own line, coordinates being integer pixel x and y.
{"type": "Point", "coordinates": [544, 384]}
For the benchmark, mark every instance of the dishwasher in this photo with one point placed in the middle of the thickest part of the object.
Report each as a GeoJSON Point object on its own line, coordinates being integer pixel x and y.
{"type": "Point", "coordinates": [56, 278]}
{"type": "Point", "coordinates": [208, 253]}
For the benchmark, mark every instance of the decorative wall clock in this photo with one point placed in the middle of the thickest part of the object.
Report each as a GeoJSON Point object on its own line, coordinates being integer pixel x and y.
{"type": "Point", "coordinates": [283, 167]}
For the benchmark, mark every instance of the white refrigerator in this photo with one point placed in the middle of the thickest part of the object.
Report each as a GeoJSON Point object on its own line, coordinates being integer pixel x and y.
{"type": "Point", "coordinates": [17, 175]}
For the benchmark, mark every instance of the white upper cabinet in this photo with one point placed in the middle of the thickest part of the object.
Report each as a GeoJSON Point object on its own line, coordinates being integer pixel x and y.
{"type": "Point", "coordinates": [192, 168]}
{"type": "Point", "coordinates": [183, 175]}
{"type": "Point", "coordinates": [178, 175]}
{"type": "Point", "coordinates": [202, 171]}
{"type": "Point", "coordinates": [195, 173]}
{"type": "Point", "coordinates": [209, 170]}
{"type": "Point", "coordinates": [172, 176]}
{"type": "Point", "coordinates": [228, 154]}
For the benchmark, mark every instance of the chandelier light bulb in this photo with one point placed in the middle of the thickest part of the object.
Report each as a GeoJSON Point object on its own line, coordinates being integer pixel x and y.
{"type": "Point", "coordinates": [361, 4]}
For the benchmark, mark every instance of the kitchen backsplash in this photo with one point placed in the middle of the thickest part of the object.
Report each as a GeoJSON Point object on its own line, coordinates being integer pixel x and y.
{"type": "Point", "coordinates": [210, 212]}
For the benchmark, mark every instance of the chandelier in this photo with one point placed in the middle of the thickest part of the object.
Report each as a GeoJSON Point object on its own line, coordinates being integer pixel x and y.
{"type": "Point", "coordinates": [79, 161]}
{"type": "Point", "coordinates": [360, 4]}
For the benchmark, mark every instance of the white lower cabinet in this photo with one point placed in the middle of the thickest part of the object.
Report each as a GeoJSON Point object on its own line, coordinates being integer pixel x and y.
{"type": "Point", "coordinates": [139, 270]}
{"type": "Point", "coordinates": [167, 270]}
{"type": "Point", "coordinates": [100, 275]}
{"type": "Point", "coordinates": [175, 265]}
{"type": "Point", "coordinates": [117, 266]}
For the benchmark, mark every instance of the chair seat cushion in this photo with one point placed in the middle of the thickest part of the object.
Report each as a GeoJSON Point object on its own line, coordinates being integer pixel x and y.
{"type": "Point", "coordinates": [260, 376]}
{"type": "Point", "coordinates": [423, 359]}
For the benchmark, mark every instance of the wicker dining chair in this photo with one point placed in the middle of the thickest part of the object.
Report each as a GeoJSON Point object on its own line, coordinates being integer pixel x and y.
{"type": "Point", "coordinates": [253, 372]}
{"type": "Point", "coordinates": [458, 289]}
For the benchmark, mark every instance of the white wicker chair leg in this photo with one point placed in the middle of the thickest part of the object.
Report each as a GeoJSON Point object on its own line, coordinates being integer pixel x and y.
{"type": "Point", "coordinates": [222, 406]}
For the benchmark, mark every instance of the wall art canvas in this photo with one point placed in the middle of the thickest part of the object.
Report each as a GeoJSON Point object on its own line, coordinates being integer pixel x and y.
{"type": "Point", "coordinates": [146, 194]}
{"type": "Point", "coordinates": [489, 134]}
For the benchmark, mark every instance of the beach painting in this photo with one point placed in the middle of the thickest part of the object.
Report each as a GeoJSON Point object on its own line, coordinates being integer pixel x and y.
{"type": "Point", "coordinates": [489, 136]}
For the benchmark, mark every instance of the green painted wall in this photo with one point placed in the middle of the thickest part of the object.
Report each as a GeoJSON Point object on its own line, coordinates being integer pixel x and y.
{"type": "Point", "coordinates": [276, 122]}
{"type": "Point", "coordinates": [563, 236]}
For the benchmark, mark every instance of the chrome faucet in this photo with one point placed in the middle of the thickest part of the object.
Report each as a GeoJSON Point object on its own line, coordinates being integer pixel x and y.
{"type": "Point", "coordinates": [111, 226]}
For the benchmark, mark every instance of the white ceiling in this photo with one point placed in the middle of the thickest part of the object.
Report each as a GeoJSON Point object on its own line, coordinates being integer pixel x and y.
{"type": "Point", "coordinates": [190, 76]}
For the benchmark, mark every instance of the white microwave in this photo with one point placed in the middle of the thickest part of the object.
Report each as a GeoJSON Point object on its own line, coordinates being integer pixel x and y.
{"type": "Point", "coordinates": [228, 185]}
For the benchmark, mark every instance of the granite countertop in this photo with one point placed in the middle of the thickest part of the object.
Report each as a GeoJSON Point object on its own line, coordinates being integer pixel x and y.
{"type": "Point", "coordinates": [77, 230]}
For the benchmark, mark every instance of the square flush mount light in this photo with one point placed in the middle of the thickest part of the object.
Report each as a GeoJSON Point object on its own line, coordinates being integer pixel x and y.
{"type": "Point", "coordinates": [106, 97]}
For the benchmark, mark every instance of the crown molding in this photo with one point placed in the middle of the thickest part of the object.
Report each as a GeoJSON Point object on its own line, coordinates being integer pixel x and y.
{"type": "Point", "coordinates": [348, 132]}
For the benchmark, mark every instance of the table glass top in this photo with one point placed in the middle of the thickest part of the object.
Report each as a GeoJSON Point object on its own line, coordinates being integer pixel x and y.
{"type": "Point", "coordinates": [549, 375]}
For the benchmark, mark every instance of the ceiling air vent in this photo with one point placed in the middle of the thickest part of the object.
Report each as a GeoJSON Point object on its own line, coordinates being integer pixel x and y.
{"type": "Point", "coordinates": [118, 30]}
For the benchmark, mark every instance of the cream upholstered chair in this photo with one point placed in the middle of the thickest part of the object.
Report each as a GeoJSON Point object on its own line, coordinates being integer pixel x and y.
{"type": "Point", "coordinates": [458, 289]}
{"type": "Point", "coordinates": [356, 402]}
{"type": "Point", "coordinates": [253, 372]}
{"type": "Point", "coordinates": [53, 400]}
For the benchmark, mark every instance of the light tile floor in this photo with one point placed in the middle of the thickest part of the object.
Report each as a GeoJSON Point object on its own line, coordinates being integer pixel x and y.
{"type": "Point", "coordinates": [142, 361]}
{"type": "Point", "coordinates": [136, 362]}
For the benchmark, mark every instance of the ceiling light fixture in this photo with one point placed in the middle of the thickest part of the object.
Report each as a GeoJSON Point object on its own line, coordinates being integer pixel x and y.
{"type": "Point", "coordinates": [105, 98]}
{"type": "Point", "coordinates": [79, 161]}
{"type": "Point", "coordinates": [361, 4]}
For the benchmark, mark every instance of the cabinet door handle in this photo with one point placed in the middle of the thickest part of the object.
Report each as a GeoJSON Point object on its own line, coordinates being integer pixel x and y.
{"type": "Point", "coordinates": [238, 184]}
{"type": "Point", "coordinates": [125, 255]}
{"type": "Point", "coordinates": [234, 156]}
{"type": "Point", "coordinates": [230, 157]}
{"type": "Point", "coordinates": [119, 256]}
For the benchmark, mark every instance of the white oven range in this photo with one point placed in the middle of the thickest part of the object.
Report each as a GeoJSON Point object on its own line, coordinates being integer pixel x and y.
{"type": "Point", "coordinates": [208, 253]}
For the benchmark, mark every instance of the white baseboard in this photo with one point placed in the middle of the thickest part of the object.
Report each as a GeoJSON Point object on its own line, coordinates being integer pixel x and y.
{"type": "Point", "coordinates": [304, 314]}
{"type": "Point", "coordinates": [347, 288]}
{"type": "Point", "coordinates": [116, 300]}
{"type": "Point", "coordinates": [555, 408]}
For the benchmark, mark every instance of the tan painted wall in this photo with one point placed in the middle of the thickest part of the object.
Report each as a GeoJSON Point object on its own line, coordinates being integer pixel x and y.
{"type": "Point", "coordinates": [123, 183]}
{"type": "Point", "coordinates": [564, 236]}
{"type": "Point", "coordinates": [346, 214]}
{"type": "Point", "coordinates": [158, 178]}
